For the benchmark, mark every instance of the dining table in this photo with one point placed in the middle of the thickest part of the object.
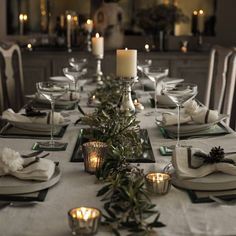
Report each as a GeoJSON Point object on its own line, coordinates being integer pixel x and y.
{"type": "Point", "coordinates": [78, 188]}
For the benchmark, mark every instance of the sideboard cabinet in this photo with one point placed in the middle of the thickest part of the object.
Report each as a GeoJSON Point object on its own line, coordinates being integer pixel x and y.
{"type": "Point", "coordinates": [39, 66]}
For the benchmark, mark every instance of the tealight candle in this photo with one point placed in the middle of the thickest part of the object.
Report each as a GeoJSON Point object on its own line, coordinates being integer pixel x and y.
{"type": "Point", "coordinates": [147, 48]}
{"type": "Point", "coordinates": [98, 46]}
{"type": "Point", "coordinates": [84, 220]}
{"type": "Point", "coordinates": [94, 153]}
{"type": "Point", "coordinates": [126, 63]}
{"type": "Point", "coordinates": [29, 46]}
{"type": "Point", "coordinates": [88, 25]}
{"type": "Point", "coordinates": [158, 183]}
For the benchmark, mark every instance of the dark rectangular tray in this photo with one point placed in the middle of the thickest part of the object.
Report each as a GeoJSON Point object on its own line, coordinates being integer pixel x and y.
{"type": "Point", "coordinates": [9, 131]}
{"type": "Point", "coordinates": [86, 134]}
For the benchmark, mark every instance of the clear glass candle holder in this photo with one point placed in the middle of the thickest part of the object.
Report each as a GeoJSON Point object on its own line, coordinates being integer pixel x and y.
{"type": "Point", "coordinates": [158, 183]}
{"type": "Point", "coordinates": [94, 154]}
{"type": "Point", "coordinates": [84, 220]}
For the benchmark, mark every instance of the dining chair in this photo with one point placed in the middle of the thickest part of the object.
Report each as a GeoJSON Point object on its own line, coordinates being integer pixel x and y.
{"type": "Point", "coordinates": [221, 80]}
{"type": "Point", "coordinates": [11, 74]}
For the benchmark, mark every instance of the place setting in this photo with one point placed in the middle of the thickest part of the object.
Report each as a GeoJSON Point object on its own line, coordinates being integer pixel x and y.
{"type": "Point", "coordinates": [26, 178]}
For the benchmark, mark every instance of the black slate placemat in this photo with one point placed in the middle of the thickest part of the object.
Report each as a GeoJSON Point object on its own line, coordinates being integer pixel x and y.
{"type": "Point", "coordinates": [86, 135]}
{"type": "Point", "coordinates": [9, 131]}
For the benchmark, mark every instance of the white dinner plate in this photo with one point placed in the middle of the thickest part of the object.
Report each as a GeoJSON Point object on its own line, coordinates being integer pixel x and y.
{"type": "Point", "coordinates": [12, 185]}
{"type": "Point", "coordinates": [45, 101]}
{"type": "Point", "coordinates": [36, 126]}
{"type": "Point", "coordinates": [191, 127]}
{"type": "Point", "coordinates": [213, 182]}
{"type": "Point", "coordinates": [59, 79]}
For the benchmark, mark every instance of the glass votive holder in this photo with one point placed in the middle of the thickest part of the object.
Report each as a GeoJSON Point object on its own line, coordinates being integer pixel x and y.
{"type": "Point", "coordinates": [158, 183]}
{"type": "Point", "coordinates": [84, 220]}
{"type": "Point", "coordinates": [94, 154]}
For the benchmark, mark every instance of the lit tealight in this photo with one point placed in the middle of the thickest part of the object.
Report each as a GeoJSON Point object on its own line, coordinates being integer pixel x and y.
{"type": "Point", "coordinates": [158, 183]}
{"type": "Point", "coordinates": [84, 220]}
{"type": "Point", "coordinates": [29, 46]}
{"type": "Point", "coordinates": [147, 48]}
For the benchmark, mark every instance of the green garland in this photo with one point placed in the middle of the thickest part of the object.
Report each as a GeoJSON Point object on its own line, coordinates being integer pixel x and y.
{"type": "Point", "coordinates": [126, 200]}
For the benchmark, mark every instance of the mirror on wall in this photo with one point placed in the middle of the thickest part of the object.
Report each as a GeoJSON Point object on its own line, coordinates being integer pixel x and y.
{"type": "Point", "coordinates": [32, 17]}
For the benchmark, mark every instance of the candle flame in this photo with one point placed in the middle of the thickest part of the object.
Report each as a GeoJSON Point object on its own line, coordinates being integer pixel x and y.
{"type": "Point", "coordinates": [21, 17]}
{"type": "Point", "coordinates": [146, 46]}
{"type": "Point", "coordinates": [195, 13]}
{"type": "Point", "coordinates": [68, 17]}
{"type": "Point", "coordinates": [75, 18]}
{"type": "Point", "coordinates": [126, 49]}
{"type": "Point", "coordinates": [84, 213]}
{"type": "Point", "coordinates": [25, 17]}
{"type": "Point", "coordinates": [89, 21]}
{"type": "Point", "coordinates": [97, 35]}
{"type": "Point", "coordinates": [29, 45]}
{"type": "Point", "coordinates": [201, 12]}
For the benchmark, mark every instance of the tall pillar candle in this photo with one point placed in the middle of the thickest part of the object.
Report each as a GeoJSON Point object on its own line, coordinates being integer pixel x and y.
{"type": "Point", "coordinates": [68, 18]}
{"type": "Point", "coordinates": [21, 21]}
{"type": "Point", "coordinates": [194, 22]}
{"type": "Point", "coordinates": [98, 46]}
{"type": "Point", "coordinates": [126, 63]}
{"type": "Point", "coordinates": [88, 25]}
{"type": "Point", "coordinates": [201, 21]}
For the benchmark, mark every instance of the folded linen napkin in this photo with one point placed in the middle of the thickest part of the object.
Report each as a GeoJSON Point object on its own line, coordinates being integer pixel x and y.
{"type": "Point", "coordinates": [11, 163]}
{"type": "Point", "coordinates": [187, 165]}
{"type": "Point", "coordinates": [192, 112]}
{"type": "Point", "coordinates": [69, 96]}
{"type": "Point", "coordinates": [10, 115]}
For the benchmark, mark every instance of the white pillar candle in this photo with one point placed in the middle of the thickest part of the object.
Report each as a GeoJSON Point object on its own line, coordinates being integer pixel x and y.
{"type": "Point", "coordinates": [21, 20]}
{"type": "Point", "coordinates": [88, 25]}
{"type": "Point", "coordinates": [69, 18]}
{"type": "Point", "coordinates": [126, 63]}
{"type": "Point", "coordinates": [200, 21]}
{"type": "Point", "coordinates": [98, 45]}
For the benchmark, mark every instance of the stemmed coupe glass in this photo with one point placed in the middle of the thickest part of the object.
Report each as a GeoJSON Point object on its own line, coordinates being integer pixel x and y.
{"type": "Point", "coordinates": [156, 75]}
{"type": "Point", "coordinates": [52, 91]}
{"type": "Point", "coordinates": [180, 94]}
{"type": "Point", "coordinates": [73, 75]}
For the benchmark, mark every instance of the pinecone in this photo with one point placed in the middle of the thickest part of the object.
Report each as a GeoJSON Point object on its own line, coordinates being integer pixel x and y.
{"type": "Point", "coordinates": [216, 155]}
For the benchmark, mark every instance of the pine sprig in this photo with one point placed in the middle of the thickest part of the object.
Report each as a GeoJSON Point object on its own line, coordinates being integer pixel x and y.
{"type": "Point", "coordinates": [216, 155]}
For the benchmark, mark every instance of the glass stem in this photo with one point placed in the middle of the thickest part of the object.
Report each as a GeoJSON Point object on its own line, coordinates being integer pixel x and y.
{"type": "Point", "coordinates": [52, 122]}
{"type": "Point", "coordinates": [178, 125]}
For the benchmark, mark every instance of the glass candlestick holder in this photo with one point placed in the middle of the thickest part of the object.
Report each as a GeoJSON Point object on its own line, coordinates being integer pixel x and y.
{"type": "Point", "coordinates": [94, 153]}
{"type": "Point", "coordinates": [127, 105]}
{"type": "Point", "coordinates": [84, 220]}
{"type": "Point", "coordinates": [158, 183]}
{"type": "Point", "coordinates": [99, 72]}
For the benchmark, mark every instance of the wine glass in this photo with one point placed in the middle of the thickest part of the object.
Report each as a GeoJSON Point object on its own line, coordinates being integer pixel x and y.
{"type": "Point", "coordinates": [180, 94]}
{"type": "Point", "coordinates": [52, 91]}
{"type": "Point", "coordinates": [73, 74]}
{"type": "Point", "coordinates": [156, 75]}
{"type": "Point", "coordinates": [77, 63]}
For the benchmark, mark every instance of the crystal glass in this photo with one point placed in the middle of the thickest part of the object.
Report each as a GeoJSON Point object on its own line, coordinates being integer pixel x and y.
{"type": "Point", "coordinates": [77, 63]}
{"type": "Point", "coordinates": [156, 75]}
{"type": "Point", "coordinates": [180, 94]}
{"type": "Point", "coordinates": [74, 75]}
{"type": "Point", "coordinates": [52, 91]}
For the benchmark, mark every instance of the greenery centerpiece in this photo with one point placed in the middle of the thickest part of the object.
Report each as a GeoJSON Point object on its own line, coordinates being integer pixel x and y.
{"type": "Point", "coordinates": [160, 18]}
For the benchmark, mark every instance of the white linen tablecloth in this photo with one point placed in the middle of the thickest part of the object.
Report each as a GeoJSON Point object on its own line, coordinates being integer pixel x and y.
{"type": "Point", "coordinates": [78, 188]}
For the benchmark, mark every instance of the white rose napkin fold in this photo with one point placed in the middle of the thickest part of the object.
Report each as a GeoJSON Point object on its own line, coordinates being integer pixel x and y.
{"type": "Point", "coordinates": [11, 163]}
{"type": "Point", "coordinates": [69, 96]}
{"type": "Point", "coordinates": [189, 166]}
{"type": "Point", "coordinates": [10, 115]}
{"type": "Point", "coordinates": [192, 112]}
